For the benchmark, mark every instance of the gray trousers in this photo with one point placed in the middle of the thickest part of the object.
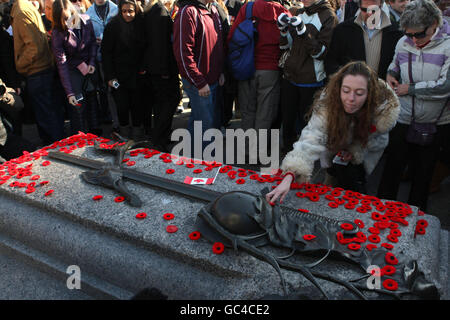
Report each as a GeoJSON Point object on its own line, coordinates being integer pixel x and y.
{"type": "Point", "coordinates": [259, 99]}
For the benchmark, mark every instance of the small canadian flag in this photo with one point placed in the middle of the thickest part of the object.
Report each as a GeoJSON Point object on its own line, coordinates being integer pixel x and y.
{"type": "Point", "coordinates": [191, 180]}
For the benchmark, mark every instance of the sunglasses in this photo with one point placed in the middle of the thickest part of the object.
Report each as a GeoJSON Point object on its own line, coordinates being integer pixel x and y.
{"type": "Point", "coordinates": [417, 35]}
{"type": "Point", "coordinates": [75, 1]}
{"type": "Point", "coordinates": [367, 9]}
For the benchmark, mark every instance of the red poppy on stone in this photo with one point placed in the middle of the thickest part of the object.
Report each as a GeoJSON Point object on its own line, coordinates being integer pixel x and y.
{"type": "Point", "coordinates": [190, 165]}
{"type": "Point", "coordinates": [376, 216]}
{"type": "Point", "coordinates": [126, 160]}
{"type": "Point", "coordinates": [370, 247]}
{"type": "Point", "coordinates": [346, 226]}
{"type": "Point", "coordinates": [374, 238]}
{"type": "Point", "coordinates": [359, 223]}
{"type": "Point", "coordinates": [141, 215]}
{"type": "Point", "coordinates": [171, 228]}
{"type": "Point", "coordinates": [168, 216]}
{"type": "Point", "coordinates": [303, 210]}
{"type": "Point", "coordinates": [198, 171]}
{"type": "Point", "coordinates": [420, 213]}
{"type": "Point", "coordinates": [45, 163]}
{"type": "Point", "coordinates": [242, 174]}
{"type": "Point", "coordinates": [354, 246]}
{"type": "Point", "coordinates": [381, 225]}
{"type": "Point", "coordinates": [309, 237]}
{"type": "Point", "coordinates": [131, 163]}
{"type": "Point", "coordinates": [167, 160]}
{"type": "Point", "coordinates": [361, 236]}
{"type": "Point", "coordinates": [390, 284]}
{"type": "Point", "coordinates": [49, 192]}
{"type": "Point", "coordinates": [390, 258]}
{"type": "Point", "coordinates": [388, 270]}
{"type": "Point", "coordinates": [349, 206]}
{"type": "Point", "coordinates": [396, 232]}
{"type": "Point", "coordinates": [392, 238]}
{"type": "Point", "coordinates": [119, 199]}
{"type": "Point", "coordinates": [387, 246]}
{"type": "Point", "coordinates": [97, 197]}
{"type": "Point", "coordinates": [30, 190]}
{"type": "Point", "coordinates": [218, 248]}
{"type": "Point", "coordinates": [195, 235]}
{"type": "Point", "coordinates": [422, 223]}
{"type": "Point", "coordinates": [333, 205]}
{"type": "Point", "coordinates": [420, 230]}
{"type": "Point", "coordinates": [254, 177]}
{"type": "Point", "coordinates": [314, 197]}
{"type": "Point", "coordinates": [361, 209]}
{"type": "Point", "coordinates": [170, 171]}
{"type": "Point", "coordinates": [300, 194]}
{"type": "Point", "coordinates": [35, 177]}
{"type": "Point", "coordinates": [240, 181]}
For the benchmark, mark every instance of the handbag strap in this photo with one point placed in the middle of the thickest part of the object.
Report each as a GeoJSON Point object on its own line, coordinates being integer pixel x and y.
{"type": "Point", "coordinates": [411, 81]}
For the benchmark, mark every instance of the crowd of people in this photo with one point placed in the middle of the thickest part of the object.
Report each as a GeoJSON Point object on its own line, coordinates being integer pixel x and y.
{"type": "Point", "coordinates": [346, 81]}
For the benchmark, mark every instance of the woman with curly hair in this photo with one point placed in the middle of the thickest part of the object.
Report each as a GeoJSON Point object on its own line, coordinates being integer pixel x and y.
{"type": "Point", "coordinates": [347, 131]}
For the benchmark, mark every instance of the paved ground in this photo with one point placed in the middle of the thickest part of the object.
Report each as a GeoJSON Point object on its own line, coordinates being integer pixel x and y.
{"type": "Point", "coordinates": [439, 203]}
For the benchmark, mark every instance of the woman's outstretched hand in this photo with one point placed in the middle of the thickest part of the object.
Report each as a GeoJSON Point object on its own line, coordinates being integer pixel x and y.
{"type": "Point", "coordinates": [281, 190]}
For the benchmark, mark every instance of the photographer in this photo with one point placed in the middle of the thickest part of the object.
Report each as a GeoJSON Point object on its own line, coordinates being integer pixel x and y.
{"type": "Point", "coordinates": [11, 145]}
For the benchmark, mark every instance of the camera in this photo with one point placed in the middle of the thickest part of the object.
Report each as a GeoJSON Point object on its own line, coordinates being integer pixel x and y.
{"type": "Point", "coordinates": [115, 84]}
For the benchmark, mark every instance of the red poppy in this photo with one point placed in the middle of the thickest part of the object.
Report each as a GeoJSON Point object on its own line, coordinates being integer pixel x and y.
{"type": "Point", "coordinates": [314, 197]}
{"type": "Point", "coordinates": [309, 237]}
{"type": "Point", "coordinates": [374, 238]}
{"type": "Point", "coordinates": [126, 160]}
{"type": "Point", "coordinates": [396, 232]}
{"type": "Point", "coordinates": [420, 230]}
{"type": "Point", "coordinates": [349, 206]}
{"type": "Point", "coordinates": [30, 190]}
{"type": "Point", "coordinates": [197, 170]}
{"type": "Point", "coordinates": [141, 215]}
{"type": "Point", "coordinates": [388, 270]}
{"type": "Point", "coordinates": [354, 246]}
{"type": "Point", "coordinates": [170, 171]}
{"type": "Point", "coordinates": [359, 223]}
{"type": "Point", "coordinates": [242, 174]}
{"type": "Point", "coordinates": [422, 223]}
{"type": "Point", "coordinates": [392, 238]}
{"type": "Point", "coordinates": [218, 248]}
{"type": "Point", "coordinates": [393, 225]}
{"type": "Point", "coordinates": [35, 177]}
{"type": "Point", "coordinates": [168, 216]}
{"type": "Point", "coordinates": [194, 235]}
{"type": "Point", "coordinates": [43, 183]}
{"type": "Point", "coordinates": [370, 247]}
{"type": "Point", "coordinates": [361, 209]}
{"type": "Point", "coordinates": [390, 284]}
{"type": "Point", "coordinates": [131, 163]}
{"type": "Point", "coordinates": [347, 226]}
{"type": "Point", "coordinates": [303, 210]}
{"type": "Point", "coordinates": [240, 181]}
{"type": "Point", "coordinates": [381, 225]}
{"type": "Point", "coordinates": [272, 203]}
{"type": "Point", "coordinates": [387, 246]}
{"type": "Point", "coordinates": [333, 205]}
{"type": "Point", "coordinates": [171, 228]}
{"type": "Point", "coordinates": [254, 177]}
{"type": "Point", "coordinates": [300, 194]}
{"type": "Point", "coordinates": [45, 163]}
{"type": "Point", "coordinates": [97, 197]}
{"type": "Point", "coordinates": [361, 237]}
{"type": "Point", "coordinates": [49, 192]}
{"type": "Point", "coordinates": [420, 213]}
{"type": "Point", "coordinates": [390, 258]}
{"type": "Point", "coordinates": [376, 216]}
{"type": "Point", "coordinates": [119, 199]}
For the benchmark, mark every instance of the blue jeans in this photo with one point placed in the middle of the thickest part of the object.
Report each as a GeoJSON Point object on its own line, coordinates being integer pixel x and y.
{"type": "Point", "coordinates": [45, 95]}
{"type": "Point", "coordinates": [205, 109]}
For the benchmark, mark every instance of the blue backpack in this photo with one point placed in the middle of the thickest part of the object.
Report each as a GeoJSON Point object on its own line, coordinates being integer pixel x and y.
{"type": "Point", "coordinates": [241, 49]}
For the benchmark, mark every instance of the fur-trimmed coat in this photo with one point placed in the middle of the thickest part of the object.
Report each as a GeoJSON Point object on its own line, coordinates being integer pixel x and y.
{"type": "Point", "coordinates": [312, 143]}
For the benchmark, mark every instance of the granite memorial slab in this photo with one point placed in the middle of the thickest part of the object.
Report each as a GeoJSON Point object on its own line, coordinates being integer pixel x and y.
{"type": "Point", "coordinates": [50, 214]}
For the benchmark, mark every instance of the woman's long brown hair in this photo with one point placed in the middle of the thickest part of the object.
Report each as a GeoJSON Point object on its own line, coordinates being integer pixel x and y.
{"type": "Point", "coordinates": [338, 121]}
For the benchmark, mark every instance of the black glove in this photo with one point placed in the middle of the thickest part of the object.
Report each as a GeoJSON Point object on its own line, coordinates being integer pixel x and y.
{"type": "Point", "coordinates": [298, 24]}
{"type": "Point", "coordinates": [283, 22]}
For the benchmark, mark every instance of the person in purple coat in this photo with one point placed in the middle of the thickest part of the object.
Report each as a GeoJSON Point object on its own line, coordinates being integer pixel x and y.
{"type": "Point", "coordinates": [74, 47]}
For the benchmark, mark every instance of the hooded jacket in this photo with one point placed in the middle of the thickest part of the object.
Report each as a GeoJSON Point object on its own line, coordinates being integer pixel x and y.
{"type": "Point", "coordinates": [312, 143]}
{"type": "Point", "coordinates": [198, 43]}
{"type": "Point", "coordinates": [305, 62]}
{"type": "Point", "coordinates": [431, 75]}
{"type": "Point", "coordinates": [267, 48]}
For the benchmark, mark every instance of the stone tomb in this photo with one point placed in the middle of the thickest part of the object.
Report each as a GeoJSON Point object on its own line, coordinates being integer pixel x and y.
{"type": "Point", "coordinates": [119, 254]}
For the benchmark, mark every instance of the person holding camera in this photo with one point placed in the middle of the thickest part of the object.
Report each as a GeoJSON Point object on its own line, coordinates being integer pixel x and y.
{"type": "Point", "coordinates": [347, 131]}
{"type": "Point", "coordinates": [310, 30]}
{"type": "Point", "coordinates": [122, 50]}
{"type": "Point", "coordinates": [11, 145]}
{"type": "Point", "coordinates": [420, 75]}
{"type": "Point", "coordinates": [74, 47]}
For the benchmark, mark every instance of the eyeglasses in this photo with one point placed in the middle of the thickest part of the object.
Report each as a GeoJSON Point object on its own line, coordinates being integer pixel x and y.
{"type": "Point", "coordinates": [417, 35]}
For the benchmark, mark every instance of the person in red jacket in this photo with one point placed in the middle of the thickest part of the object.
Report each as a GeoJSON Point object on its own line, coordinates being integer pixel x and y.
{"type": "Point", "coordinates": [199, 52]}
{"type": "Point", "coordinates": [259, 96]}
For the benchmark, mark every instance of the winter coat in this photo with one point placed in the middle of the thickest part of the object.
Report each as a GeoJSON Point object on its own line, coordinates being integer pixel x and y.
{"type": "Point", "coordinates": [31, 49]}
{"type": "Point", "coordinates": [347, 44]}
{"type": "Point", "coordinates": [267, 48]}
{"type": "Point", "coordinates": [10, 102]}
{"type": "Point", "coordinates": [98, 23]}
{"type": "Point", "coordinates": [122, 54]}
{"type": "Point", "coordinates": [158, 27]}
{"type": "Point", "coordinates": [312, 143]}
{"type": "Point", "coordinates": [305, 62]}
{"type": "Point", "coordinates": [198, 43]}
{"type": "Point", "coordinates": [7, 66]}
{"type": "Point", "coordinates": [431, 75]}
{"type": "Point", "coordinates": [70, 51]}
